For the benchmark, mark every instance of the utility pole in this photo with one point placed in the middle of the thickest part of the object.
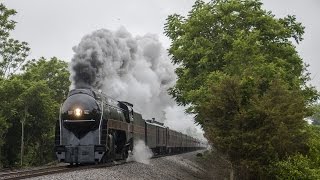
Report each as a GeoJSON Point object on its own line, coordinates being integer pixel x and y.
{"type": "Point", "coordinates": [22, 135]}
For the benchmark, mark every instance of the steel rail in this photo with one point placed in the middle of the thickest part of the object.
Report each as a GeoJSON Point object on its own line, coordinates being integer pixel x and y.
{"type": "Point", "coordinates": [22, 174]}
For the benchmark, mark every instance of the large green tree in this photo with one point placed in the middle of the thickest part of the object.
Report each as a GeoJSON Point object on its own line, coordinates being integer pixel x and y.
{"type": "Point", "coordinates": [30, 92]}
{"type": "Point", "coordinates": [54, 71]}
{"type": "Point", "coordinates": [239, 72]}
{"type": "Point", "coordinates": [33, 102]}
{"type": "Point", "coordinates": [13, 53]}
{"type": "Point", "coordinates": [34, 95]}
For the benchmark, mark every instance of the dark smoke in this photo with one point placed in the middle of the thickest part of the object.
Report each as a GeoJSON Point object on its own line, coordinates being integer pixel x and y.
{"type": "Point", "coordinates": [101, 48]}
{"type": "Point", "coordinates": [134, 69]}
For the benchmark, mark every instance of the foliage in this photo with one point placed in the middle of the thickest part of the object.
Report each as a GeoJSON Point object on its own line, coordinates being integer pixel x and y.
{"type": "Point", "coordinates": [30, 91]}
{"type": "Point", "coordinates": [12, 52]}
{"type": "Point", "coordinates": [54, 72]}
{"type": "Point", "coordinates": [239, 72]}
{"type": "Point", "coordinates": [296, 167]}
{"type": "Point", "coordinates": [3, 128]}
{"type": "Point", "coordinates": [8, 95]}
{"type": "Point", "coordinates": [12, 57]}
{"type": "Point", "coordinates": [301, 166]}
{"type": "Point", "coordinates": [267, 128]}
{"type": "Point", "coordinates": [18, 95]}
{"type": "Point", "coordinates": [316, 114]}
{"type": "Point", "coordinates": [232, 37]}
{"type": "Point", "coordinates": [34, 96]}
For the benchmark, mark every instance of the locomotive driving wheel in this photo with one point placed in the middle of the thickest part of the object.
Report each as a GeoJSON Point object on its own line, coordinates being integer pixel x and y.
{"type": "Point", "coordinates": [110, 154]}
{"type": "Point", "coordinates": [124, 153]}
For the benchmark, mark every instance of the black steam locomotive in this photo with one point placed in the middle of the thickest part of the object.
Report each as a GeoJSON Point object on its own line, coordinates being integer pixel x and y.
{"type": "Point", "coordinates": [94, 128]}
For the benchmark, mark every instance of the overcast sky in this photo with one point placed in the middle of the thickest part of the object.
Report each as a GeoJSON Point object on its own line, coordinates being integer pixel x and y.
{"type": "Point", "coordinates": [53, 27]}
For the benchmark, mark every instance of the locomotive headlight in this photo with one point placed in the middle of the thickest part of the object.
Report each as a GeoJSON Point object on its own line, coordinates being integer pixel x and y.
{"type": "Point", "coordinates": [78, 112]}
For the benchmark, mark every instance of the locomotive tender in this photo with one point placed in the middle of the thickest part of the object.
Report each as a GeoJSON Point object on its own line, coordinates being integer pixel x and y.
{"type": "Point", "coordinates": [94, 128]}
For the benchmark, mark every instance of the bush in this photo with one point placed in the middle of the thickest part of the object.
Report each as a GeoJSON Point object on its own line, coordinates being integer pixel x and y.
{"type": "Point", "coordinates": [296, 167]}
{"type": "Point", "coordinates": [301, 166]}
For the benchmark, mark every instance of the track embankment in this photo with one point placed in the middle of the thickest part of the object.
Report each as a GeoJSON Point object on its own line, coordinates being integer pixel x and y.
{"type": "Point", "coordinates": [187, 166]}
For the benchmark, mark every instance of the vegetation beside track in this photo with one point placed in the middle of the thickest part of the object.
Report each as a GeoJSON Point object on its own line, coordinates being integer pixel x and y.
{"type": "Point", "coordinates": [243, 79]}
{"type": "Point", "coordinates": [238, 70]}
{"type": "Point", "coordinates": [30, 93]}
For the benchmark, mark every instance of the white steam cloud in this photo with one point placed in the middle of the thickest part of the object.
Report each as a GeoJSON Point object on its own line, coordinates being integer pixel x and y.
{"type": "Point", "coordinates": [141, 153]}
{"type": "Point", "coordinates": [177, 119]}
{"type": "Point", "coordinates": [133, 69]}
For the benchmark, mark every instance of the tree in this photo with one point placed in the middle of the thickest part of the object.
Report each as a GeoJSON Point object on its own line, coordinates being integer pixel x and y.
{"type": "Point", "coordinates": [54, 72]}
{"type": "Point", "coordinates": [12, 56]}
{"type": "Point", "coordinates": [50, 86]}
{"type": "Point", "coordinates": [33, 100]}
{"type": "Point", "coordinates": [239, 72]}
{"type": "Point", "coordinates": [12, 52]}
{"type": "Point", "coordinates": [36, 94]}
{"type": "Point", "coordinates": [316, 114]}
{"type": "Point", "coordinates": [3, 129]}
{"type": "Point", "coordinates": [30, 90]}
{"type": "Point", "coordinates": [11, 109]}
{"type": "Point", "coordinates": [302, 166]}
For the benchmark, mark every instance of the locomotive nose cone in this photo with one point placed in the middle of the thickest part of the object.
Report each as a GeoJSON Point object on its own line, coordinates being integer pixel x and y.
{"type": "Point", "coordinates": [80, 112]}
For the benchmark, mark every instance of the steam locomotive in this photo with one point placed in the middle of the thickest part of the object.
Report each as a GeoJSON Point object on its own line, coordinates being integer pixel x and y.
{"type": "Point", "coordinates": [94, 128]}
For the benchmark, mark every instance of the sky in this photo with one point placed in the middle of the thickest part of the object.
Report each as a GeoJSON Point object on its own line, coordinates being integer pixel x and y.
{"type": "Point", "coordinates": [52, 28]}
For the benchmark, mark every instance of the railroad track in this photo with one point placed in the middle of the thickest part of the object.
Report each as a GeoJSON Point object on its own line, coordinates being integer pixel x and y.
{"type": "Point", "coordinates": [7, 174]}
{"type": "Point", "coordinates": [23, 174]}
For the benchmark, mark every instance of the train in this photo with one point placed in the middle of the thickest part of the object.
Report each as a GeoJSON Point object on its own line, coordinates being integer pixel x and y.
{"type": "Point", "coordinates": [94, 128]}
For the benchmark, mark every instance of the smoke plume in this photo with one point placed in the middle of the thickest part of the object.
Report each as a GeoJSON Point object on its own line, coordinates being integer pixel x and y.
{"type": "Point", "coordinates": [133, 69]}
{"type": "Point", "coordinates": [141, 153]}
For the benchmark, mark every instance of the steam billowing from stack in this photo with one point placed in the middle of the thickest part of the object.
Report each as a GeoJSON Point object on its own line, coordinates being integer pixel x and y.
{"type": "Point", "coordinates": [133, 69]}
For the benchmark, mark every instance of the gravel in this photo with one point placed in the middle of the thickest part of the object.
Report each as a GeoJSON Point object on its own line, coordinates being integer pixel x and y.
{"type": "Point", "coordinates": [183, 166]}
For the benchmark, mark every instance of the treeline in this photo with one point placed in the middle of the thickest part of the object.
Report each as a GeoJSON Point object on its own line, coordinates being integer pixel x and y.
{"type": "Point", "coordinates": [30, 94]}
{"type": "Point", "coordinates": [240, 74]}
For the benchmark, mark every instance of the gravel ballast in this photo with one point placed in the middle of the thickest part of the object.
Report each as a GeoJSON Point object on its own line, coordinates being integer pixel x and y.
{"type": "Point", "coordinates": [182, 166]}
